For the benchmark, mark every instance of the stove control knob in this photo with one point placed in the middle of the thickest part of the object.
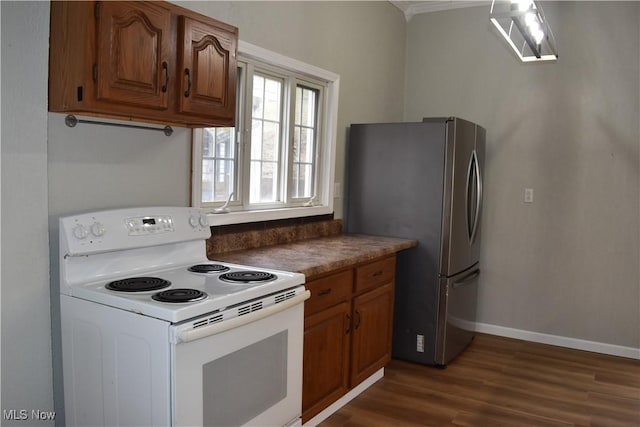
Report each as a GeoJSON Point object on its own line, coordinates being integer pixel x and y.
{"type": "Point", "coordinates": [193, 221]}
{"type": "Point", "coordinates": [80, 232]}
{"type": "Point", "coordinates": [97, 229]}
{"type": "Point", "coordinates": [204, 222]}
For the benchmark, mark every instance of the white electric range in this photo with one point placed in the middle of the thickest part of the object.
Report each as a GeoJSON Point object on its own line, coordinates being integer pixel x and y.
{"type": "Point", "coordinates": [154, 333]}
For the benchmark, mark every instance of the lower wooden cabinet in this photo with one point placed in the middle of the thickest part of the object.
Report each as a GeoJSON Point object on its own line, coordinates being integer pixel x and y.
{"type": "Point", "coordinates": [372, 330]}
{"type": "Point", "coordinates": [326, 357]}
{"type": "Point", "coordinates": [348, 326]}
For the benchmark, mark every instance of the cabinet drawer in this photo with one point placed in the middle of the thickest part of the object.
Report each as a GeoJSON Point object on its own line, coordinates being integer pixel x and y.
{"type": "Point", "coordinates": [375, 274]}
{"type": "Point", "coordinates": [328, 291]}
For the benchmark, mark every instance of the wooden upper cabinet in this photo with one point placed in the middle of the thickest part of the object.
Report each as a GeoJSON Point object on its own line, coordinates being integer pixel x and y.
{"type": "Point", "coordinates": [133, 53]}
{"type": "Point", "coordinates": [208, 66]}
{"type": "Point", "coordinates": [136, 60]}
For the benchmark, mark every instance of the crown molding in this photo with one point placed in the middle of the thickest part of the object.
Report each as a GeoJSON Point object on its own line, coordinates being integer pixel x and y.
{"type": "Point", "coordinates": [412, 8]}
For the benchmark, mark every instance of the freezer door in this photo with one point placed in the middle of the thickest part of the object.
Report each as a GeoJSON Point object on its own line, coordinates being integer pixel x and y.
{"type": "Point", "coordinates": [457, 315]}
{"type": "Point", "coordinates": [462, 200]}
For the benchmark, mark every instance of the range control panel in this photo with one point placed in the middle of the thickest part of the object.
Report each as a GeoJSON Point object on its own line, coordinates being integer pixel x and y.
{"type": "Point", "coordinates": [118, 229]}
{"type": "Point", "coordinates": [141, 226]}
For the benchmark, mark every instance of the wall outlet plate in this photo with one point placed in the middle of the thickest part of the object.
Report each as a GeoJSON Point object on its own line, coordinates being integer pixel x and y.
{"type": "Point", "coordinates": [528, 195]}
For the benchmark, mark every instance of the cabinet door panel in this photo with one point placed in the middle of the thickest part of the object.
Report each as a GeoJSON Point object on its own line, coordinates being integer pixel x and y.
{"type": "Point", "coordinates": [133, 50]}
{"type": "Point", "coordinates": [372, 318]}
{"type": "Point", "coordinates": [326, 359]}
{"type": "Point", "coordinates": [208, 66]}
{"type": "Point", "coordinates": [210, 61]}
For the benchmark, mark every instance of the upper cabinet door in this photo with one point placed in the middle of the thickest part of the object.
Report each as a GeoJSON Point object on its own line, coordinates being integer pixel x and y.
{"type": "Point", "coordinates": [134, 42]}
{"type": "Point", "coordinates": [208, 71]}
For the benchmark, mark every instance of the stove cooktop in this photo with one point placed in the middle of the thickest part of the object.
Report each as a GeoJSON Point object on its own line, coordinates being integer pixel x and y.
{"type": "Point", "coordinates": [187, 291]}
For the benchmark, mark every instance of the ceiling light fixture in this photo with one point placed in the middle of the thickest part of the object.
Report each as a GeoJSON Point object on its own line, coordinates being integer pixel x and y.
{"type": "Point", "coordinates": [524, 26]}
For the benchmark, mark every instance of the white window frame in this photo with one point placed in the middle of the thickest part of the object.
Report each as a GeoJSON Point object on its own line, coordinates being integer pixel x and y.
{"type": "Point", "coordinates": [326, 150]}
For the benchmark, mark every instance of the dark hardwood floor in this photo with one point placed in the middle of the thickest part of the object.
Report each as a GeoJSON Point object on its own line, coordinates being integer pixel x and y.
{"type": "Point", "coordinates": [500, 381]}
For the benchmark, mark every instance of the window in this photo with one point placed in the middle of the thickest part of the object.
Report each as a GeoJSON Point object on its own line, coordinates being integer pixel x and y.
{"type": "Point", "coordinates": [278, 160]}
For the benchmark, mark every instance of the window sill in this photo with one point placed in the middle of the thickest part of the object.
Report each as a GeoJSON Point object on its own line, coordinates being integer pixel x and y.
{"type": "Point", "coordinates": [241, 217]}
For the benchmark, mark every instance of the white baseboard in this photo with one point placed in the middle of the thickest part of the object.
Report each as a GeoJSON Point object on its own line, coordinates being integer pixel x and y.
{"type": "Point", "coordinates": [329, 410]}
{"type": "Point", "coordinates": [578, 344]}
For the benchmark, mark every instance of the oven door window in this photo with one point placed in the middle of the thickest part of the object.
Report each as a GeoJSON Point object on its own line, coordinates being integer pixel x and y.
{"type": "Point", "coordinates": [241, 385]}
{"type": "Point", "coordinates": [247, 375]}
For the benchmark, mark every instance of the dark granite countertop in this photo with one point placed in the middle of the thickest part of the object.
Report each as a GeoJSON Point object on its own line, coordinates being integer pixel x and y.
{"type": "Point", "coordinates": [313, 257]}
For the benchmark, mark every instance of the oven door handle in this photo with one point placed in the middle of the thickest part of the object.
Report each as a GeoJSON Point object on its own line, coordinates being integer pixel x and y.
{"type": "Point", "coordinates": [217, 328]}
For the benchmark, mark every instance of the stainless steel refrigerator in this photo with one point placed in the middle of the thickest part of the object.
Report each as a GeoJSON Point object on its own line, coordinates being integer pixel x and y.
{"type": "Point", "coordinates": [423, 181]}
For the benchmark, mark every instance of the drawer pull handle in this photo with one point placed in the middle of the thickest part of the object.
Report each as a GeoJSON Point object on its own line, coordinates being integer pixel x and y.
{"type": "Point", "coordinates": [324, 292]}
{"type": "Point", "coordinates": [377, 273]}
{"type": "Point", "coordinates": [348, 324]}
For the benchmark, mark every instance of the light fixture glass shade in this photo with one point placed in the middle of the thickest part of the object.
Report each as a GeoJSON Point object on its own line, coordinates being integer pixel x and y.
{"type": "Point", "coordinates": [523, 25]}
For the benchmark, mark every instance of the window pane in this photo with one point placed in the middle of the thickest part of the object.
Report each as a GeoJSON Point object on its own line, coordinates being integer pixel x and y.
{"type": "Point", "coordinates": [208, 142]}
{"type": "Point", "coordinates": [258, 96]}
{"type": "Point", "coordinates": [256, 139]}
{"type": "Point", "coordinates": [265, 139]}
{"type": "Point", "coordinates": [302, 180]}
{"type": "Point", "coordinates": [304, 142]}
{"type": "Point", "coordinates": [218, 164]}
{"type": "Point", "coordinates": [223, 185]}
{"type": "Point", "coordinates": [296, 145]}
{"type": "Point", "coordinates": [224, 142]}
{"type": "Point", "coordinates": [308, 106]}
{"type": "Point", "coordinates": [298, 110]}
{"type": "Point", "coordinates": [270, 140]}
{"type": "Point", "coordinates": [264, 173]}
{"type": "Point", "coordinates": [207, 180]}
{"type": "Point", "coordinates": [306, 145]}
{"type": "Point", "coordinates": [272, 99]}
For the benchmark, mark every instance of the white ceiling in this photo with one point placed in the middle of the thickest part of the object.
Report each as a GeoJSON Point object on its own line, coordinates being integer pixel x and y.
{"type": "Point", "coordinates": [411, 8]}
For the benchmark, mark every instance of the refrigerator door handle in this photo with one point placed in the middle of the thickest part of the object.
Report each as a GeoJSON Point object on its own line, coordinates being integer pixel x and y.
{"type": "Point", "coordinates": [472, 206]}
{"type": "Point", "coordinates": [478, 176]}
{"type": "Point", "coordinates": [467, 279]}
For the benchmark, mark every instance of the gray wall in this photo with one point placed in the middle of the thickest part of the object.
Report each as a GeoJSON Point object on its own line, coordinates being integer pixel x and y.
{"type": "Point", "coordinates": [26, 333]}
{"type": "Point", "coordinates": [568, 264]}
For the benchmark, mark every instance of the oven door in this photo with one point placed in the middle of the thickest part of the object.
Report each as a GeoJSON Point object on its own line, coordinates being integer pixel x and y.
{"type": "Point", "coordinates": [242, 371]}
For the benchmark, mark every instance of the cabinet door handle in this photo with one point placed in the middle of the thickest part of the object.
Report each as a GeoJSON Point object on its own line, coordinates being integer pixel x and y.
{"type": "Point", "coordinates": [188, 74]}
{"type": "Point", "coordinates": [348, 324]}
{"type": "Point", "coordinates": [324, 292]}
{"type": "Point", "coordinates": [165, 67]}
{"type": "Point", "coordinates": [357, 320]}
